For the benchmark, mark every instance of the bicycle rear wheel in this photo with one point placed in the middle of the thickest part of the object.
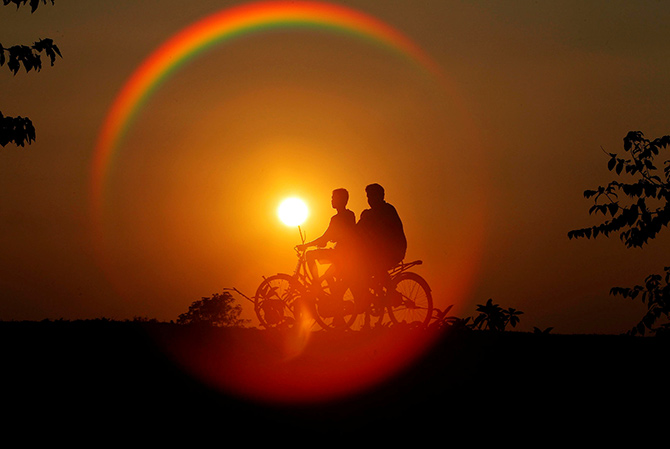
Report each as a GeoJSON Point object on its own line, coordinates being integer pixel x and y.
{"type": "Point", "coordinates": [275, 301]}
{"type": "Point", "coordinates": [410, 300]}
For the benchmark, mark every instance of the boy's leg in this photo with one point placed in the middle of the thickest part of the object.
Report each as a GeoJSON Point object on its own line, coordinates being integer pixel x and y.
{"type": "Point", "coordinates": [320, 255]}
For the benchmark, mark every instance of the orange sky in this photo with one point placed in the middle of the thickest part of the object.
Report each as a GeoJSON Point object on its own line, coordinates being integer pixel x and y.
{"type": "Point", "coordinates": [194, 190]}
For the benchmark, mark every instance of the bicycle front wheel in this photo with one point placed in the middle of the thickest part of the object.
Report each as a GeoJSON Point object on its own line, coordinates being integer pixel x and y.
{"type": "Point", "coordinates": [275, 301]}
{"type": "Point", "coordinates": [334, 310]}
{"type": "Point", "coordinates": [410, 300]}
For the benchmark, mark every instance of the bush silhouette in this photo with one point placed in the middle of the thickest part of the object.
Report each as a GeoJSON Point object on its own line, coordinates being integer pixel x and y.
{"type": "Point", "coordinates": [218, 310]}
{"type": "Point", "coordinates": [493, 317]}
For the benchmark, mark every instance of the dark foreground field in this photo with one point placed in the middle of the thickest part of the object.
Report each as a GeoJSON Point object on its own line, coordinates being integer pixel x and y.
{"type": "Point", "coordinates": [115, 378]}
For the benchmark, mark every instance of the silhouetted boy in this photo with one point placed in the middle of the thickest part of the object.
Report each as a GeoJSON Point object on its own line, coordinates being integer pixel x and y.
{"type": "Point", "coordinates": [340, 231]}
{"type": "Point", "coordinates": [381, 243]}
{"type": "Point", "coordinates": [381, 236]}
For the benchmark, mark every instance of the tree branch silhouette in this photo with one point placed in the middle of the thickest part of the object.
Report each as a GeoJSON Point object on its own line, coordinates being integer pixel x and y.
{"type": "Point", "coordinates": [33, 3]}
{"type": "Point", "coordinates": [639, 209]}
{"type": "Point", "coordinates": [20, 130]}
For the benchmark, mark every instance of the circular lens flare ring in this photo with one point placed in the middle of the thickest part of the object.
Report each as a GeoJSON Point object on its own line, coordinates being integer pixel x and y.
{"type": "Point", "coordinates": [241, 371]}
{"type": "Point", "coordinates": [292, 211]}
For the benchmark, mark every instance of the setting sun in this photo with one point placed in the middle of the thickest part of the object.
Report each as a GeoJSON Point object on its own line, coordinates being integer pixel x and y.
{"type": "Point", "coordinates": [292, 211]}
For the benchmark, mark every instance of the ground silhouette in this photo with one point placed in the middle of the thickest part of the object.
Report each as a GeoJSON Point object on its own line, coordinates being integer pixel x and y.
{"type": "Point", "coordinates": [112, 377]}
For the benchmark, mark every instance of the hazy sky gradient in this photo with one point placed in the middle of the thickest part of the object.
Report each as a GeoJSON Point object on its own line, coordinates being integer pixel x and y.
{"type": "Point", "coordinates": [194, 190]}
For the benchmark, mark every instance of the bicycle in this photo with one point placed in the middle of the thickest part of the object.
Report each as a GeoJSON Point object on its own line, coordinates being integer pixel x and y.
{"type": "Point", "coordinates": [285, 300]}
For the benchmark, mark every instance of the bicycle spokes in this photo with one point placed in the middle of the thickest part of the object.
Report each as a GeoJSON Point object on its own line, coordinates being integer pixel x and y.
{"type": "Point", "coordinates": [415, 305]}
{"type": "Point", "coordinates": [275, 299]}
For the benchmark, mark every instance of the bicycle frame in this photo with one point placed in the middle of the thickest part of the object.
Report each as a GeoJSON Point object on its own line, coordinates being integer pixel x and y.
{"type": "Point", "coordinates": [402, 267]}
{"type": "Point", "coordinates": [302, 273]}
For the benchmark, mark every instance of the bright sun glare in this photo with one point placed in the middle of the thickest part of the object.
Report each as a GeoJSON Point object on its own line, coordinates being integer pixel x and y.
{"type": "Point", "coordinates": [292, 211]}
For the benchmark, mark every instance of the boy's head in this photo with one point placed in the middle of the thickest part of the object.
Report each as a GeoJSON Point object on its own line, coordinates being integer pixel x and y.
{"type": "Point", "coordinates": [340, 198]}
{"type": "Point", "coordinates": [375, 194]}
